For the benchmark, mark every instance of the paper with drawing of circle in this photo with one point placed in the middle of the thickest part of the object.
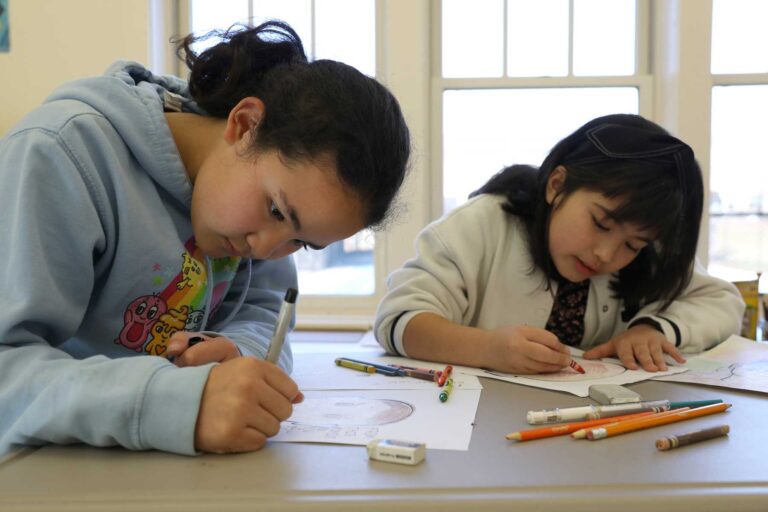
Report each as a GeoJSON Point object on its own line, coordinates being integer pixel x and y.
{"type": "Point", "coordinates": [349, 411]}
{"type": "Point", "coordinates": [594, 370]}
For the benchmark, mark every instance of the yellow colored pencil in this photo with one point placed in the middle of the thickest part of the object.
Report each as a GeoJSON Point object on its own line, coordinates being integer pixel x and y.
{"type": "Point", "coordinates": [582, 434]}
{"type": "Point", "coordinates": [624, 427]}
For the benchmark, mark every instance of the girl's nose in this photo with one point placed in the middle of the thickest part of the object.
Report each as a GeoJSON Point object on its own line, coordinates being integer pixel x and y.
{"type": "Point", "coordinates": [606, 250]}
{"type": "Point", "coordinates": [270, 245]}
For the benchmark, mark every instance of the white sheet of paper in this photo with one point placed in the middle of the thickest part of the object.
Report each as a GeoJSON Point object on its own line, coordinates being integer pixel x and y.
{"type": "Point", "coordinates": [347, 406]}
{"type": "Point", "coordinates": [604, 371]}
{"type": "Point", "coordinates": [737, 362]}
{"type": "Point", "coordinates": [358, 416]}
{"type": "Point", "coordinates": [320, 372]}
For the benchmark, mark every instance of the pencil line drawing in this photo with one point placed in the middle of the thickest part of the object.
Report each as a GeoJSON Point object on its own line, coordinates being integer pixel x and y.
{"type": "Point", "coordinates": [349, 412]}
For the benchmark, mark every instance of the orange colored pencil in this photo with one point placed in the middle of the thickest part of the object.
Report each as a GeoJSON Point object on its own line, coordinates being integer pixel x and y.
{"type": "Point", "coordinates": [582, 434]}
{"type": "Point", "coordinates": [567, 428]}
{"type": "Point", "coordinates": [625, 427]}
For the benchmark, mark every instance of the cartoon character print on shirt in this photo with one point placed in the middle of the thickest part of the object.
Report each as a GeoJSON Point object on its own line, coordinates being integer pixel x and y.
{"type": "Point", "coordinates": [168, 323]}
{"type": "Point", "coordinates": [138, 319]}
{"type": "Point", "coordinates": [191, 271]}
{"type": "Point", "coordinates": [150, 320]}
{"type": "Point", "coordinates": [194, 320]}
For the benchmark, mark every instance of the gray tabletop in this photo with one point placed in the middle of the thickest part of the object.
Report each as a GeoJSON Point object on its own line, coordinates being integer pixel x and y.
{"type": "Point", "coordinates": [624, 473]}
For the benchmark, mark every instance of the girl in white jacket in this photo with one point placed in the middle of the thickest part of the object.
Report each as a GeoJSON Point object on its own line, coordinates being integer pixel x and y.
{"type": "Point", "coordinates": [594, 249]}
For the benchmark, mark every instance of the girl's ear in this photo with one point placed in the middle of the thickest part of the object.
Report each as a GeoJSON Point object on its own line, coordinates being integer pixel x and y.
{"type": "Point", "coordinates": [555, 183]}
{"type": "Point", "coordinates": [242, 119]}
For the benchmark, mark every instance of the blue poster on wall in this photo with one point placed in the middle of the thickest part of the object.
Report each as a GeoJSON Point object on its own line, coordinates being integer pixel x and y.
{"type": "Point", "coordinates": [5, 43]}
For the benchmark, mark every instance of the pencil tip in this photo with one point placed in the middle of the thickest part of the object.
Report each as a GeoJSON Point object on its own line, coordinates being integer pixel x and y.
{"type": "Point", "coordinates": [514, 436]}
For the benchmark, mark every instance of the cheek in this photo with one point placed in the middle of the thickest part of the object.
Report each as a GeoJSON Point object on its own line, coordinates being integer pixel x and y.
{"type": "Point", "coordinates": [285, 250]}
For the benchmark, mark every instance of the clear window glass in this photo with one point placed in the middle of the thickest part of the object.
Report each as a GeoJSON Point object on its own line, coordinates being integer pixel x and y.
{"type": "Point", "coordinates": [486, 130]}
{"type": "Point", "coordinates": [206, 15]}
{"type": "Point", "coordinates": [473, 38]}
{"type": "Point", "coordinates": [297, 13]}
{"type": "Point", "coordinates": [545, 23]}
{"type": "Point", "coordinates": [738, 202]}
{"type": "Point", "coordinates": [335, 32]}
{"type": "Point", "coordinates": [604, 37]}
{"type": "Point", "coordinates": [739, 37]}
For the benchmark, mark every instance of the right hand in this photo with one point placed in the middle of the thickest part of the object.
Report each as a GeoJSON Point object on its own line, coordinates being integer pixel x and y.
{"type": "Point", "coordinates": [521, 349]}
{"type": "Point", "coordinates": [243, 403]}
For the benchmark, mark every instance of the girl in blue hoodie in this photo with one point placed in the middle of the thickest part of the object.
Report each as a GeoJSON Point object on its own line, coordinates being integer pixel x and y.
{"type": "Point", "coordinates": [140, 210]}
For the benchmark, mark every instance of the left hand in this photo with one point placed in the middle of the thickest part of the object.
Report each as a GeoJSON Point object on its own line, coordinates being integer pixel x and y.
{"type": "Point", "coordinates": [639, 345]}
{"type": "Point", "coordinates": [210, 350]}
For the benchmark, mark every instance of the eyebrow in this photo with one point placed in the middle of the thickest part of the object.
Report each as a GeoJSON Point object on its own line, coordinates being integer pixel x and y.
{"type": "Point", "coordinates": [295, 222]}
{"type": "Point", "coordinates": [609, 214]}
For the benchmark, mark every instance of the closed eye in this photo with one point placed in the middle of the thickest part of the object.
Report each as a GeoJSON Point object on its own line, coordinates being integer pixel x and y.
{"type": "Point", "coordinates": [600, 225]}
{"type": "Point", "coordinates": [275, 212]}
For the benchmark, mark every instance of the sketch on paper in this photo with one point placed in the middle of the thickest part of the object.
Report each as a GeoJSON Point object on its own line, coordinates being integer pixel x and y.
{"type": "Point", "coordinates": [603, 371]}
{"type": "Point", "coordinates": [349, 411]}
{"type": "Point", "coordinates": [334, 419]}
{"type": "Point", "coordinates": [593, 370]}
{"type": "Point", "coordinates": [358, 416]}
{"type": "Point", "coordinates": [737, 363]}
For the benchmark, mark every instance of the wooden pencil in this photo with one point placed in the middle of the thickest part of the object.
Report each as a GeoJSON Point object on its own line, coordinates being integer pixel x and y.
{"type": "Point", "coordinates": [624, 427]}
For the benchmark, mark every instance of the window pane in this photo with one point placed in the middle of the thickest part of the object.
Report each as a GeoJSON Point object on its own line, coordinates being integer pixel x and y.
{"type": "Point", "coordinates": [206, 16]}
{"type": "Point", "coordinates": [297, 13]}
{"type": "Point", "coordinates": [604, 37]}
{"type": "Point", "coordinates": [473, 38]}
{"type": "Point", "coordinates": [739, 38]}
{"type": "Point", "coordinates": [526, 22]}
{"type": "Point", "coordinates": [485, 130]}
{"type": "Point", "coordinates": [343, 268]}
{"type": "Point", "coordinates": [739, 170]}
{"type": "Point", "coordinates": [346, 31]}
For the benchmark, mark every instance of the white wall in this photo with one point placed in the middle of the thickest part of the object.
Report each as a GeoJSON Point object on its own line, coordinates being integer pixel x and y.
{"type": "Point", "coordinates": [53, 41]}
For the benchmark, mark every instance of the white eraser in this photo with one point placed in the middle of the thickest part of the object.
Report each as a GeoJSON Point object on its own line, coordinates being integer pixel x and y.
{"type": "Point", "coordinates": [400, 452]}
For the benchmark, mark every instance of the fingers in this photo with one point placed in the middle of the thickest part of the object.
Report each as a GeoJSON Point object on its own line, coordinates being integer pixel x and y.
{"type": "Point", "coordinates": [178, 342]}
{"type": "Point", "coordinates": [549, 360]}
{"type": "Point", "coordinates": [600, 351]}
{"type": "Point", "coordinates": [545, 338]}
{"type": "Point", "coordinates": [243, 403]}
{"type": "Point", "coordinates": [211, 350]}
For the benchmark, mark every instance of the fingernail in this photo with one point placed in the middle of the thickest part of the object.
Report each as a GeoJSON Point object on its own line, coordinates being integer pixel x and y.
{"type": "Point", "coordinates": [175, 346]}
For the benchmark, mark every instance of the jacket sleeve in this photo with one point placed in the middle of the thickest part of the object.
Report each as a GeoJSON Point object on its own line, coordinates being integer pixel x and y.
{"type": "Point", "coordinates": [709, 310]}
{"type": "Point", "coordinates": [443, 278]}
{"type": "Point", "coordinates": [252, 325]}
{"type": "Point", "coordinates": [50, 236]}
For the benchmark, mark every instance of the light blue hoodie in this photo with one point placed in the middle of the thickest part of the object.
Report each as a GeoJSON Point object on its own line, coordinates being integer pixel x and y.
{"type": "Point", "coordinates": [100, 267]}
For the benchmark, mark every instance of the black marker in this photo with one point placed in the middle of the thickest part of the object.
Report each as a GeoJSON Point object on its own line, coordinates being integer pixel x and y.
{"type": "Point", "coordinates": [194, 340]}
{"type": "Point", "coordinates": [281, 327]}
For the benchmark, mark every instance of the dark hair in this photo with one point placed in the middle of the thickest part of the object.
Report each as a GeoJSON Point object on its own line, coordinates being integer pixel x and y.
{"type": "Point", "coordinates": [652, 173]}
{"type": "Point", "coordinates": [312, 109]}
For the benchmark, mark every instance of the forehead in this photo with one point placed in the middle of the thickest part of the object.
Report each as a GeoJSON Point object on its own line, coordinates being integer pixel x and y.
{"type": "Point", "coordinates": [618, 210]}
{"type": "Point", "coordinates": [326, 210]}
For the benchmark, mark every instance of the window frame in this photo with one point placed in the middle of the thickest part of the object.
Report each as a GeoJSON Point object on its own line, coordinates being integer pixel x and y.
{"type": "Point", "coordinates": [673, 79]}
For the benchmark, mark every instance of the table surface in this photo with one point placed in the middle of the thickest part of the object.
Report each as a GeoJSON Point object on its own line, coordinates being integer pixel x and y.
{"type": "Point", "coordinates": [624, 473]}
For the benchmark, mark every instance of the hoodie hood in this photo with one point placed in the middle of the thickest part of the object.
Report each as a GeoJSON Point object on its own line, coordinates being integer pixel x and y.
{"type": "Point", "coordinates": [133, 100]}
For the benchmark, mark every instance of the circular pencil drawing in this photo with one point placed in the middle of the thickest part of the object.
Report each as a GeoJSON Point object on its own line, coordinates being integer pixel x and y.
{"type": "Point", "coordinates": [594, 370]}
{"type": "Point", "coordinates": [349, 411]}
{"type": "Point", "coordinates": [757, 369]}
